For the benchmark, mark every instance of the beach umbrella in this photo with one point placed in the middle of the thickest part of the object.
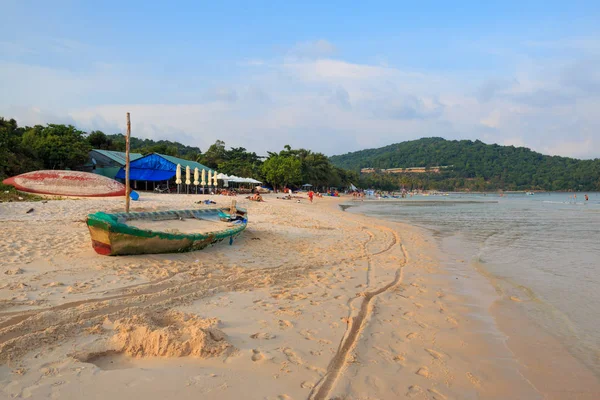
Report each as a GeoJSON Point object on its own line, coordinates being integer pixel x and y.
{"type": "Point", "coordinates": [178, 175]}
{"type": "Point", "coordinates": [215, 178]}
{"type": "Point", "coordinates": [209, 178]}
{"type": "Point", "coordinates": [187, 175]}
{"type": "Point", "coordinates": [203, 177]}
{"type": "Point", "coordinates": [196, 176]}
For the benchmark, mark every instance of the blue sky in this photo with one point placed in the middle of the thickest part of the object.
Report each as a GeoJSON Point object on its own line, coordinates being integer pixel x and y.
{"type": "Point", "coordinates": [332, 77]}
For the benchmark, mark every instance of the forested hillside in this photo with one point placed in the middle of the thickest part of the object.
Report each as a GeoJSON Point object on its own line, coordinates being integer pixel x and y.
{"type": "Point", "coordinates": [473, 165]}
{"type": "Point", "coordinates": [54, 146]}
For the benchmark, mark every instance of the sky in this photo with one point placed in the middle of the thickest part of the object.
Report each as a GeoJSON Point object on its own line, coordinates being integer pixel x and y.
{"type": "Point", "coordinates": [330, 76]}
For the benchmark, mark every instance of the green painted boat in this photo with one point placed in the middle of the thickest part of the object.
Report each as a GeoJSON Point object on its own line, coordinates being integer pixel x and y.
{"type": "Point", "coordinates": [128, 233]}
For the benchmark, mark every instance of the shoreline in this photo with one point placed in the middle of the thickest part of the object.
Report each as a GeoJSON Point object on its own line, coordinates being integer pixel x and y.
{"type": "Point", "coordinates": [536, 349]}
{"type": "Point", "coordinates": [310, 302]}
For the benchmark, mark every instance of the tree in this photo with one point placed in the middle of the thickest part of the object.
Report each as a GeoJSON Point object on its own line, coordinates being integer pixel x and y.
{"type": "Point", "coordinates": [57, 146]}
{"type": "Point", "coordinates": [281, 171]}
{"type": "Point", "coordinates": [238, 161]}
{"type": "Point", "coordinates": [214, 155]}
{"type": "Point", "coordinates": [98, 140]}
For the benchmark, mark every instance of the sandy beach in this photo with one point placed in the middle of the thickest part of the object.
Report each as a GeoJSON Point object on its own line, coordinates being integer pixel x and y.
{"type": "Point", "coordinates": [309, 302]}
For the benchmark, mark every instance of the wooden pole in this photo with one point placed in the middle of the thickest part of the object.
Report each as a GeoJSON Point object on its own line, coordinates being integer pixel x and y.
{"type": "Point", "coordinates": [127, 188]}
{"type": "Point", "coordinates": [232, 210]}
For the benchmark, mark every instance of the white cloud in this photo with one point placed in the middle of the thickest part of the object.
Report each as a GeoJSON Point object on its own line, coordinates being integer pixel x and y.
{"type": "Point", "coordinates": [315, 101]}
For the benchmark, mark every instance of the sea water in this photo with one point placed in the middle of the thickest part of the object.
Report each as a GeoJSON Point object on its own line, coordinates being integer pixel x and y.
{"type": "Point", "coordinates": [543, 249]}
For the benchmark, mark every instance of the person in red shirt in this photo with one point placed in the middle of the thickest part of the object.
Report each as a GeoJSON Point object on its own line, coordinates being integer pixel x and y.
{"type": "Point", "coordinates": [310, 195]}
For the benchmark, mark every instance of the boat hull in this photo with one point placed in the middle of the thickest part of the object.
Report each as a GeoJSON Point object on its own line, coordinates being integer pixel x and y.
{"type": "Point", "coordinates": [112, 236]}
{"type": "Point", "coordinates": [66, 183]}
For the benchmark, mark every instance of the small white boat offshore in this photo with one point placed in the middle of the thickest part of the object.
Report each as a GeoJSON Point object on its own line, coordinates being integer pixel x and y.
{"type": "Point", "coordinates": [529, 193]}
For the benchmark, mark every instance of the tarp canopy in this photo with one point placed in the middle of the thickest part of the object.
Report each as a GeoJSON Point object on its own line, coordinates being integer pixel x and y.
{"type": "Point", "coordinates": [156, 167]}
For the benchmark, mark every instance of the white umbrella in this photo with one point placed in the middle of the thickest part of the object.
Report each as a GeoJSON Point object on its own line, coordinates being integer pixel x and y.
{"type": "Point", "coordinates": [187, 175]}
{"type": "Point", "coordinates": [209, 178]}
{"type": "Point", "coordinates": [203, 177]}
{"type": "Point", "coordinates": [215, 179]}
{"type": "Point", "coordinates": [196, 176]}
{"type": "Point", "coordinates": [178, 175]}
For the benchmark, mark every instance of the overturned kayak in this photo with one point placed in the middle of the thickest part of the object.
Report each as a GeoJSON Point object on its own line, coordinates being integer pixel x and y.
{"type": "Point", "coordinates": [163, 231]}
{"type": "Point", "coordinates": [66, 183]}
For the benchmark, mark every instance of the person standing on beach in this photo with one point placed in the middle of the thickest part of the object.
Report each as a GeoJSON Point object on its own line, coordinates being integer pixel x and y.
{"type": "Point", "coordinates": [586, 197]}
{"type": "Point", "coordinates": [310, 195]}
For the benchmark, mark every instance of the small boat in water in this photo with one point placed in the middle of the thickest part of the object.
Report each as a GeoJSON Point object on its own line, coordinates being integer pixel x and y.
{"type": "Point", "coordinates": [529, 193]}
{"type": "Point", "coordinates": [164, 231]}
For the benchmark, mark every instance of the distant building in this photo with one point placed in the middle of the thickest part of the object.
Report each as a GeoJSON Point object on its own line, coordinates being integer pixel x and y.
{"type": "Point", "coordinates": [107, 163]}
{"type": "Point", "coordinates": [409, 170]}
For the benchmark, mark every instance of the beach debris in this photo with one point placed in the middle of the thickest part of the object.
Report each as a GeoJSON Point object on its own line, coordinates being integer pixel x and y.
{"type": "Point", "coordinates": [20, 198]}
{"type": "Point", "coordinates": [29, 211]}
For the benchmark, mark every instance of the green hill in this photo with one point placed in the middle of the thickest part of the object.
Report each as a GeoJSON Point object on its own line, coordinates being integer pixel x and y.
{"type": "Point", "coordinates": [473, 165]}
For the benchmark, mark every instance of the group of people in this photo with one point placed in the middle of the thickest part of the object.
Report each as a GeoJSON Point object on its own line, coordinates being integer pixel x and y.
{"type": "Point", "coordinates": [226, 192]}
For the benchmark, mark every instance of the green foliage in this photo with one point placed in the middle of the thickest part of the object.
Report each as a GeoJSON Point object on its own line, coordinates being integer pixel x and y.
{"type": "Point", "coordinates": [56, 146]}
{"type": "Point", "coordinates": [12, 154]}
{"type": "Point", "coordinates": [315, 169]}
{"type": "Point", "coordinates": [473, 165]}
{"type": "Point", "coordinates": [215, 154]}
{"type": "Point", "coordinates": [282, 171]}
{"type": "Point", "coordinates": [147, 146]}
{"type": "Point", "coordinates": [240, 162]}
{"type": "Point", "coordinates": [98, 140]}
{"type": "Point", "coordinates": [10, 194]}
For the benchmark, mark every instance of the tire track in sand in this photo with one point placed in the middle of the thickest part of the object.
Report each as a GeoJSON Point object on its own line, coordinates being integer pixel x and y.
{"type": "Point", "coordinates": [26, 330]}
{"type": "Point", "coordinates": [356, 326]}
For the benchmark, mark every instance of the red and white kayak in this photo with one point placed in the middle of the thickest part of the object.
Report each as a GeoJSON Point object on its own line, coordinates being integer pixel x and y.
{"type": "Point", "coordinates": [66, 183]}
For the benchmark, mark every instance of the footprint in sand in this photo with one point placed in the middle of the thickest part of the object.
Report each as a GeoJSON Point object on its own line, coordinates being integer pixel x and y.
{"type": "Point", "coordinates": [257, 355]}
{"type": "Point", "coordinates": [284, 324]}
{"type": "Point", "coordinates": [411, 336]}
{"type": "Point", "coordinates": [423, 371]}
{"type": "Point", "coordinates": [435, 354]}
{"type": "Point", "coordinates": [400, 358]}
{"type": "Point", "coordinates": [263, 335]}
{"type": "Point", "coordinates": [408, 314]}
{"type": "Point", "coordinates": [453, 321]}
{"type": "Point", "coordinates": [307, 385]}
{"type": "Point", "coordinates": [414, 390]}
{"type": "Point", "coordinates": [474, 380]}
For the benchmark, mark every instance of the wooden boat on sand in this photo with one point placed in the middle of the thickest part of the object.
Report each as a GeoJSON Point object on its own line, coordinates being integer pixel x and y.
{"type": "Point", "coordinates": [164, 231]}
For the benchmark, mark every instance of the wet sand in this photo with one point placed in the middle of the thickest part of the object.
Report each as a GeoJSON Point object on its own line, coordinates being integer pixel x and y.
{"type": "Point", "coordinates": [309, 302]}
